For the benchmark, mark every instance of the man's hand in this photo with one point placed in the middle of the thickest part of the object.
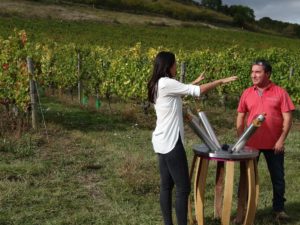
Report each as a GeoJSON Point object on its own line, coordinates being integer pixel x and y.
{"type": "Point", "coordinates": [287, 123]}
{"type": "Point", "coordinates": [279, 147]}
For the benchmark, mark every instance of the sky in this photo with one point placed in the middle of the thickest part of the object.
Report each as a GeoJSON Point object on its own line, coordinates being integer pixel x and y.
{"type": "Point", "coordinates": [282, 10]}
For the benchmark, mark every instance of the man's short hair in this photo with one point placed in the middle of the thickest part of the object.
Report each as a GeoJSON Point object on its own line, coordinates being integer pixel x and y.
{"type": "Point", "coordinates": [265, 64]}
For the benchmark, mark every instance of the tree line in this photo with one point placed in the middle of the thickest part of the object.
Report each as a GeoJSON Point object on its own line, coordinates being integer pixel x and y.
{"type": "Point", "coordinates": [244, 16]}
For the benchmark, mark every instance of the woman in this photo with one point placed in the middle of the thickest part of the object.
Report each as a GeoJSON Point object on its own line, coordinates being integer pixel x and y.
{"type": "Point", "coordinates": [165, 92]}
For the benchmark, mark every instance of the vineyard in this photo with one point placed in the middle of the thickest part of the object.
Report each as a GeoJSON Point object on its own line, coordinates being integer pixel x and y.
{"type": "Point", "coordinates": [123, 73]}
{"type": "Point", "coordinates": [98, 167]}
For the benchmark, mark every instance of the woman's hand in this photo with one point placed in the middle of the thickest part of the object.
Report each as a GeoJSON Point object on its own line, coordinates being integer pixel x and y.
{"type": "Point", "coordinates": [206, 87]}
{"type": "Point", "coordinates": [200, 78]}
{"type": "Point", "coordinates": [229, 79]}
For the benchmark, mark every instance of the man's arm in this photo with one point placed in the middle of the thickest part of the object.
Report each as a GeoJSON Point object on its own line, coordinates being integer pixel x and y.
{"type": "Point", "coordinates": [287, 123]}
{"type": "Point", "coordinates": [240, 123]}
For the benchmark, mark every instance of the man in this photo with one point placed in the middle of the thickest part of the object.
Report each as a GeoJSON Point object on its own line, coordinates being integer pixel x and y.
{"type": "Point", "coordinates": [266, 97]}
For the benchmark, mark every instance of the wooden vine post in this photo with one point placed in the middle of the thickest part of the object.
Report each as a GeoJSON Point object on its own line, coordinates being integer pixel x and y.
{"type": "Point", "coordinates": [79, 78]}
{"type": "Point", "coordinates": [32, 94]}
{"type": "Point", "coordinates": [182, 72]}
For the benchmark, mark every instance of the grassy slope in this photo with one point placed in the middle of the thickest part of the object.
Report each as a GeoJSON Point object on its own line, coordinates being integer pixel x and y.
{"type": "Point", "coordinates": [84, 25]}
{"type": "Point", "coordinates": [70, 11]}
{"type": "Point", "coordinates": [120, 35]}
{"type": "Point", "coordinates": [171, 8]}
{"type": "Point", "coordinates": [99, 168]}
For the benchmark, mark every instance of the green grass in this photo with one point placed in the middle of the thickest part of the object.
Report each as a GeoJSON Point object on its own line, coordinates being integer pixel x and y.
{"type": "Point", "coordinates": [122, 35]}
{"type": "Point", "coordinates": [99, 168]}
{"type": "Point", "coordinates": [81, 24]}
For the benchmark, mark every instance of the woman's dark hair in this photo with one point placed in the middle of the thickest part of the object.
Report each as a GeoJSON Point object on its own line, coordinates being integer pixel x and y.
{"type": "Point", "coordinates": [162, 65]}
{"type": "Point", "coordinates": [265, 64]}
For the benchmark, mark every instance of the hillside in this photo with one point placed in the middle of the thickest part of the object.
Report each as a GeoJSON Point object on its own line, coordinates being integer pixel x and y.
{"type": "Point", "coordinates": [189, 10]}
{"type": "Point", "coordinates": [183, 13]}
{"type": "Point", "coordinates": [79, 12]}
{"type": "Point", "coordinates": [62, 22]}
{"type": "Point", "coordinates": [67, 12]}
{"type": "Point", "coordinates": [185, 10]}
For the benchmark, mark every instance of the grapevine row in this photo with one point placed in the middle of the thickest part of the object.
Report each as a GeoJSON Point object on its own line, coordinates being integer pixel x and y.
{"type": "Point", "coordinates": [125, 72]}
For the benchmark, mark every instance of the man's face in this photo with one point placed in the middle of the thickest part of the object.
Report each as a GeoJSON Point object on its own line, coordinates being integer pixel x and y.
{"type": "Point", "coordinates": [259, 77]}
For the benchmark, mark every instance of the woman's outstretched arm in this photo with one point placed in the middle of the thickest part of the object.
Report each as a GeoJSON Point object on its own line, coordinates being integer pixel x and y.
{"type": "Point", "coordinates": [209, 86]}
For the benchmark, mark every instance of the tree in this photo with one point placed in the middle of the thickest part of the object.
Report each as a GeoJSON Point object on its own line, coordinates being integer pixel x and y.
{"type": "Point", "coordinates": [212, 4]}
{"type": "Point", "coordinates": [225, 9]}
{"type": "Point", "coordinates": [241, 14]}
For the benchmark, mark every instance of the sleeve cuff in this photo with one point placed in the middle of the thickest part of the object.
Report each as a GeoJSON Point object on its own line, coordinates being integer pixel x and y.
{"type": "Point", "coordinates": [194, 90]}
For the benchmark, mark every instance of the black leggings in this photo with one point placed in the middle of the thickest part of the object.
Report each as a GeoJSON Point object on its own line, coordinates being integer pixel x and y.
{"type": "Point", "coordinates": [173, 168]}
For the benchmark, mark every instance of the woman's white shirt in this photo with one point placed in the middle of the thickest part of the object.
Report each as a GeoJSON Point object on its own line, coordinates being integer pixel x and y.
{"type": "Point", "coordinates": [168, 107]}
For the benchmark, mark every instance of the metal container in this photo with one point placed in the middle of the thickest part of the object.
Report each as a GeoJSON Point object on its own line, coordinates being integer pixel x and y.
{"type": "Point", "coordinates": [208, 128]}
{"type": "Point", "coordinates": [256, 123]}
{"type": "Point", "coordinates": [193, 122]}
{"type": "Point", "coordinates": [244, 153]}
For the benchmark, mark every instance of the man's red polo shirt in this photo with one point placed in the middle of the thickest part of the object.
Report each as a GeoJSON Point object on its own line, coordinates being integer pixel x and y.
{"type": "Point", "coordinates": [273, 101]}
